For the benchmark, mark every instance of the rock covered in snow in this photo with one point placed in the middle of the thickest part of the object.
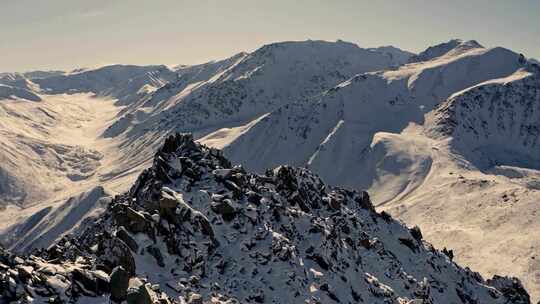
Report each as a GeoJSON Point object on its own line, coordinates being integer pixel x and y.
{"type": "Point", "coordinates": [292, 239]}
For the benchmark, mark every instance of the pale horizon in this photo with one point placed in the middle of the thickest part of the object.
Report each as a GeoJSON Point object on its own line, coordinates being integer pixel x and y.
{"type": "Point", "coordinates": [66, 35]}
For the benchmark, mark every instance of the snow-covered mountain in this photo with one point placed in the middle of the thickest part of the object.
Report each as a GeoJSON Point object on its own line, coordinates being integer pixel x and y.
{"type": "Point", "coordinates": [127, 83]}
{"type": "Point", "coordinates": [248, 85]}
{"type": "Point", "coordinates": [496, 123]}
{"type": "Point", "coordinates": [445, 139]}
{"type": "Point", "coordinates": [335, 136]}
{"type": "Point", "coordinates": [193, 229]}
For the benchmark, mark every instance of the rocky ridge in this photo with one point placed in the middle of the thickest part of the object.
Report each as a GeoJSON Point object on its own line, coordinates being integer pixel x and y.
{"type": "Point", "coordinates": [194, 229]}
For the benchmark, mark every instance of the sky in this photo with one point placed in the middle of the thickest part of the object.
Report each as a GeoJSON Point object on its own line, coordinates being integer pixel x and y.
{"type": "Point", "coordinates": [68, 34]}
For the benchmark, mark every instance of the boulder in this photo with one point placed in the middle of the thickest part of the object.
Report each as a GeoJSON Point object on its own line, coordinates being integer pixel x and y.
{"type": "Point", "coordinates": [195, 298]}
{"type": "Point", "coordinates": [222, 173]}
{"type": "Point", "coordinates": [124, 235]}
{"type": "Point", "coordinates": [140, 293]}
{"type": "Point", "coordinates": [156, 253]}
{"type": "Point", "coordinates": [206, 227]}
{"type": "Point", "coordinates": [137, 221]}
{"type": "Point", "coordinates": [334, 203]}
{"type": "Point", "coordinates": [114, 252]}
{"type": "Point", "coordinates": [168, 200]}
{"type": "Point", "coordinates": [25, 272]}
{"type": "Point", "coordinates": [172, 207]}
{"type": "Point", "coordinates": [86, 280]}
{"type": "Point", "coordinates": [119, 284]}
{"type": "Point", "coordinates": [224, 207]}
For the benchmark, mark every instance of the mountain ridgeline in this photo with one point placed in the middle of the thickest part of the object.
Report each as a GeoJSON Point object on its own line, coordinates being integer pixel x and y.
{"type": "Point", "coordinates": [195, 229]}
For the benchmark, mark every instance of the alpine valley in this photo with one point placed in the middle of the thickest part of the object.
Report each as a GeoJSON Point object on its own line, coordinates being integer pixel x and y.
{"type": "Point", "coordinates": [303, 172]}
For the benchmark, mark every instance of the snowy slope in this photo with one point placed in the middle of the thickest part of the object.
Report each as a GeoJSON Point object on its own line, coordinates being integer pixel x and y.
{"type": "Point", "coordinates": [345, 119]}
{"type": "Point", "coordinates": [496, 123]}
{"type": "Point", "coordinates": [48, 224]}
{"type": "Point", "coordinates": [49, 147]}
{"type": "Point", "coordinates": [193, 229]}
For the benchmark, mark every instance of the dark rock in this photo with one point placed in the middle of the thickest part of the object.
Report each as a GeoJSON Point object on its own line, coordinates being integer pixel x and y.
{"type": "Point", "coordinates": [114, 252]}
{"type": "Point", "coordinates": [334, 203]}
{"type": "Point", "coordinates": [25, 272]}
{"type": "Point", "coordinates": [206, 227]}
{"type": "Point", "coordinates": [320, 260]}
{"type": "Point", "coordinates": [86, 279]}
{"type": "Point", "coordinates": [254, 197]}
{"type": "Point", "coordinates": [137, 221]}
{"type": "Point", "coordinates": [126, 238]}
{"type": "Point", "coordinates": [416, 233]}
{"type": "Point", "coordinates": [178, 141]}
{"type": "Point", "coordinates": [386, 216]}
{"type": "Point", "coordinates": [511, 288]}
{"type": "Point", "coordinates": [139, 293]}
{"type": "Point", "coordinates": [224, 207]}
{"type": "Point", "coordinates": [168, 201]}
{"type": "Point", "coordinates": [411, 244]}
{"type": "Point", "coordinates": [119, 284]}
{"type": "Point", "coordinates": [258, 297]}
{"type": "Point", "coordinates": [364, 201]}
{"type": "Point", "coordinates": [156, 253]}
{"type": "Point", "coordinates": [448, 253]}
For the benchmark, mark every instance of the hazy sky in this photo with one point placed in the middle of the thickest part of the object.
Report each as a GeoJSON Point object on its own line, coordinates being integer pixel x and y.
{"type": "Point", "coordinates": [64, 34]}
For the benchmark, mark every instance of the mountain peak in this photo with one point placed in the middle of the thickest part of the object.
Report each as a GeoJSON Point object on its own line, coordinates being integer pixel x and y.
{"type": "Point", "coordinates": [454, 46]}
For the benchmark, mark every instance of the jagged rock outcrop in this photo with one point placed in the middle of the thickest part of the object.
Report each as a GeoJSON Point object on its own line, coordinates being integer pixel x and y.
{"type": "Point", "coordinates": [290, 239]}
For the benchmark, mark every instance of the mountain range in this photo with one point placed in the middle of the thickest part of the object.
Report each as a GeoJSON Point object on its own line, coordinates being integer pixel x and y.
{"type": "Point", "coordinates": [446, 139]}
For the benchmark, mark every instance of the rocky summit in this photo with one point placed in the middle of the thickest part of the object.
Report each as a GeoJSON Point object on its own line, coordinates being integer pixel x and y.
{"type": "Point", "coordinates": [195, 229]}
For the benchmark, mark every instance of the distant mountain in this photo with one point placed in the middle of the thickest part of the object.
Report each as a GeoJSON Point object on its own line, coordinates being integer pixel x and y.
{"type": "Point", "coordinates": [248, 85]}
{"type": "Point", "coordinates": [335, 135]}
{"type": "Point", "coordinates": [127, 83]}
{"type": "Point", "coordinates": [495, 123]}
{"type": "Point", "coordinates": [9, 92]}
{"type": "Point", "coordinates": [193, 229]}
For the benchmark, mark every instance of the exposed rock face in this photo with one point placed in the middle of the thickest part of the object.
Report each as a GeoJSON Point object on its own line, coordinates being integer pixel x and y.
{"type": "Point", "coordinates": [495, 123]}
{"type": "Point", "coordinates": [119, 284]}
{"type": "Point", "coordinates": [290, 239]}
